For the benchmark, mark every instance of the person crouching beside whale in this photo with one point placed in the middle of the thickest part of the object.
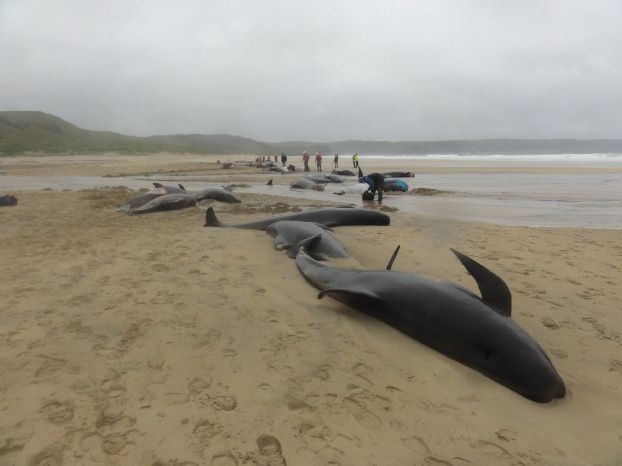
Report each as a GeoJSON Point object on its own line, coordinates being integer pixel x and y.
{"type": "Point", "coordinates": [375, 182]}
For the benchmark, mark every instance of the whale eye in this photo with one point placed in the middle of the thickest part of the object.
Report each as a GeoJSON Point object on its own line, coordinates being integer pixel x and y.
{"type": "Point", "coordinates": [488, 355]}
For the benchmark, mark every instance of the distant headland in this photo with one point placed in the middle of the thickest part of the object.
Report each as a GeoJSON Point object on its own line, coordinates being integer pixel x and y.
{"type": "Point", "coordinates": [37, 132]}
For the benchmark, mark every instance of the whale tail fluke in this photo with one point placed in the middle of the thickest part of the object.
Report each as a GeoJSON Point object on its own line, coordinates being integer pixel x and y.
{"type": "Point", "coordinates": [210, 218]}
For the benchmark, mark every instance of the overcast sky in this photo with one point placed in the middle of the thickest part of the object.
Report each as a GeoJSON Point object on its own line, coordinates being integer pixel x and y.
{"type": "Point", "coordinates": [321, 70]}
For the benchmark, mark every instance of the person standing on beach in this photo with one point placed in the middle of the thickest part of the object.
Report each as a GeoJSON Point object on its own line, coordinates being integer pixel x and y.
{"type": "Point", "coordinates": [283, 159]}
{"type": "Point", "coordinates": [318, 161]}
{"type": "Point", "coordinates": [305, 160]}
{"type": "Point", "coordinates": [336, 161]}
{"type": "Point", "coordinates": [355, 160]}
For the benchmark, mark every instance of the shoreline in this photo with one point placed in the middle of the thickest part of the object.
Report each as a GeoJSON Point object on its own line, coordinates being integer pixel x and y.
{"type": "Point", "coordinates": [98, 163]}
{"type": "Point", "coordinates": [133, 340]}
{"type": "Point", "coordinates": [484, 191]}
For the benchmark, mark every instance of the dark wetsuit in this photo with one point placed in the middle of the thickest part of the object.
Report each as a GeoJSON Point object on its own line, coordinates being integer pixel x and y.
{"type": "Point", "coordinates": [375, 182]}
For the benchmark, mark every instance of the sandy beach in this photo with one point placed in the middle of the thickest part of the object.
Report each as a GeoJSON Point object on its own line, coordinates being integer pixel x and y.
{"type": "Point", "coordinates": [151, 340]}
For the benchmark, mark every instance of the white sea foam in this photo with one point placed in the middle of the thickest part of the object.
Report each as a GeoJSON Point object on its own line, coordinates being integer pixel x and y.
{"type": "Point", "coordinates": [580, 159]}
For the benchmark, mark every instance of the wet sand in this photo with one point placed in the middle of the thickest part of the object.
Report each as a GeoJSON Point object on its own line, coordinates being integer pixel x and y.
{"type": "Point", "coordinates": [152, 340]}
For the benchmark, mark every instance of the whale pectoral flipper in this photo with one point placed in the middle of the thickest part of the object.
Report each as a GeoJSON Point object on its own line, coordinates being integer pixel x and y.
{"type": "Point", "coordinates": [494, 290]}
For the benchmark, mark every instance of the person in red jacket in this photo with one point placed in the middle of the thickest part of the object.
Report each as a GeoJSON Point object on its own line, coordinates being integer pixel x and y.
{"type": "Point", "coordinates": [318, 161]}
{"type": "Point", "coordinates": [305, 160]}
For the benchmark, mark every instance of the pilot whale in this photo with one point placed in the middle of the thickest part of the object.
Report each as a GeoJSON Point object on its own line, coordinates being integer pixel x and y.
{"type": "Point", "coordinates": [330, 217]}
{"type": "Point", "coordinates": [291, 235]}
{"type": "Point", "coordinates": [477, 332]}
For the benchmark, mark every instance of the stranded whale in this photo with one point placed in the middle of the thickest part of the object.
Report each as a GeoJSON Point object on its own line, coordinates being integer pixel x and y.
{"type": "Point", "coordinates": [477, 332]}
{"type": "Point", "coordinates": [330, 217]}
{"type": "Point", "coordinates": [291, 235]}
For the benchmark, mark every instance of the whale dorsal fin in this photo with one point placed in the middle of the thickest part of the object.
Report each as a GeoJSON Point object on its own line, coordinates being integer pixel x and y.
{"type": "Point", "coordinates": [493, 289]}
{"type": "Point", "coordinates": [210, 218]}
{"type": "Point", "coordinates": [307, 245]}
{"type": "Point", "coordinates": [390, 264]}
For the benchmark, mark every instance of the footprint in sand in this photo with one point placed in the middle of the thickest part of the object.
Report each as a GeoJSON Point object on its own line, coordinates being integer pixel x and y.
{"type": "Point", "coordinates": [14, 445]}
{"type": "Point", "coordinates": [187, 319]}
{"type": "Point", "coordinates": [500, 454]}
{"type": "Point", "coordinates": [264, 391]}
{"type": "Point", "coordinates": [145, 396]}
{"type": "Point", "coordinates": [561, 354]}
{"type": "Point", "coordinates": [297, 405]}
{"type": "Point", "coordinates": [197, 385]}
{"type": "Point", "coordinates": [59, 412]}
{"type": "Point", "coordinates": [361, 371]}
{"type": "Point", "coordinates": [160, 268]}
{"type": "Point", "coordinates": [115, 390]}
{"type": "Point", "coordinates": [114, 416]}
{"type": "Point", "coordinates": [224, 402]}
{"type": "Point", "coordinates": [505, 434]}
{"type": "Point", "coordinates": [417, 445]}
{"type": "Point", "coordinates": [324, 372]}
{"type": "Point", "coordinates": [175, 398]}
{"type": "Point", "coordinates": [156, 364]}
{"type": "Point", "coordinates": [91, 443]}
{"type": "Point", "coordinates": [398, 426]}
{"type": "Point", "coordinates": [270, 450]}
{"type": "Point", "coordinates": [206, 429]}
{"type": "Point", "coordinates": [224, 458]}
{"type": "Point", "coordinates": [50, 366]}
{"type": "Point", "coordinates": [615, 366]}
{"type": "Point", "coordinates": [550, 324]}
{"type": "Point", "coordinates": [360, 412]}
{"type": "Point", "coordinates": [49, 456]}
{"type": "Point", "coordinates": [113, 444]}
{"type": "Point", "coordinates": [315, 430]}
{"type": "Point", "coordinates": [368, 419]}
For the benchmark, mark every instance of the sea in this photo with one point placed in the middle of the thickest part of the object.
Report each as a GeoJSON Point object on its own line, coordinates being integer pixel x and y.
{"type": "Point", "coordinates": [589, 197]}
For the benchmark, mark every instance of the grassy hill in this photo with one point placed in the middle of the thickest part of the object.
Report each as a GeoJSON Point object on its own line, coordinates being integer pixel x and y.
{"type": "Point", "coordinates": [22, 132]}
{"type": "Point", "coordinates": [39, 132]}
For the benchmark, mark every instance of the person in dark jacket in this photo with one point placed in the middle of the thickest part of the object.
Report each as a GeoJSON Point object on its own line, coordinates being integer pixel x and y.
{"type": "Point", "coordinates": [375, 182]}
{"type": "Point", "coordinates": [283, 159]}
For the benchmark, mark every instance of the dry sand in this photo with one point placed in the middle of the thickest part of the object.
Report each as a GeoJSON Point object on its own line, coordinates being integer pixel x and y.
{"type": "Point", "coordinates": [150, 340]}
